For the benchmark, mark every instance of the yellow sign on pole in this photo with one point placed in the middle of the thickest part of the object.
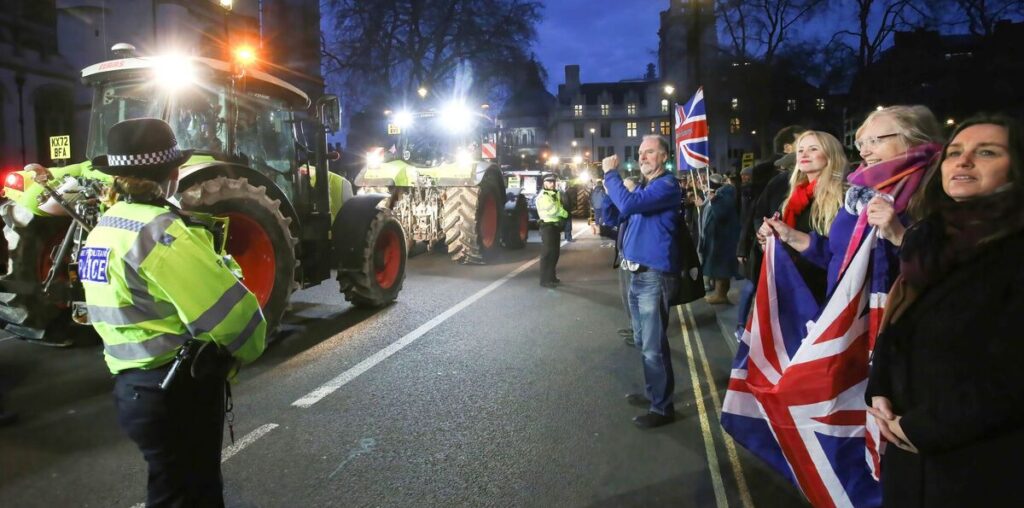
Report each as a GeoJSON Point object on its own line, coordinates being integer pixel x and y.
{"type": "Point", "coordinates": [394, 130]}
{"type": "Point", "coordinates": [748, 160]}
{"type": "Point", "coordinates": [60, 147]}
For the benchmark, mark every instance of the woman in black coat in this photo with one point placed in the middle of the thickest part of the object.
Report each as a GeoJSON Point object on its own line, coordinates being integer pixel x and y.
{"type": "Point", "coordinates": [945, 385]}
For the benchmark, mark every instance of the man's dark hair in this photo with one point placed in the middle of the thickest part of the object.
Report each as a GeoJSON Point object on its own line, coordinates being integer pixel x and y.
{"type": "Point", "coordinates": [785, 136]}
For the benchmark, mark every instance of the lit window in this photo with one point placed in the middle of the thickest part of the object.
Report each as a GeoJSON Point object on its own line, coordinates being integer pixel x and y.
{"type": "Point", "coordinates": [577, 110]}
{"type": "Point", "coordinates": [664, 105]}
{"type": "Point", "coordinates": [631, 129]}
{"type": "Point", "coordinates": [735, 104]}
{"type": "Point", "coordinates": [821, 104]}
{"type": "Point", "coordinates": [665, 128]}
{"type": "Point", "coordinates": [790, 104]}
{"type": "Point", "coordinates": [654, 127]}
{"type": "Point", "coordinates": [605, 109]}
{"type": "Point", "coordinates": [734, 125]}
{"type": "Point", "coordinates": [631, 109]}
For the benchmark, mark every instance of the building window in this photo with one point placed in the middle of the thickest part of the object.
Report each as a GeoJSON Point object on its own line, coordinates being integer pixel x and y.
{"type": "Point", "coordinates": [629, 152]}
{"type": "Point", "coordinates": [821, 104]}
{"type": "Point", "coordinates": [666, 129]}
{"type": "Point", "coordinates": [631, 109]}
{"type": "Point", "coordinates": [577, 110]}
{"type": "Point", "coordinates": [790, 104]}
{"type": "Point", "coordinates": [577, 130]}
{"type": "Point", "coordinates": [735, 104]}
{"type": "Point", "coordinates": [654, 127]}
{"type": "Point", "coordinates": [605, 110]}
{"type": "Point", "coordinates": [664, 105]}
{"type": "Point", "coordinates": [631, 129]}
{"type": "Point", "coordinates": [734, 125]}
{"type": "Point", "coordinates": [606, 129]}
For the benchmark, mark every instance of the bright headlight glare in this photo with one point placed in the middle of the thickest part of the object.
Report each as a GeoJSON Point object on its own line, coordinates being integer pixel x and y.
{"type": "Point", "coordinates": [462, 156]}
{"type": "Point", "coordinates": [585, 177]}
{"type": "Point", "coordinates": [374, 159]}
{"type": "Point", "coordinates": [174, 72]}
{"type": "Point", "coordinates": [403, 119]}
{"type": "Point", "coordinates": [456, 118]}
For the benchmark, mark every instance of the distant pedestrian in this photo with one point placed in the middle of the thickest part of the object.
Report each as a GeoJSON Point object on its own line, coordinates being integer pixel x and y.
{"type": "Point", "coordinates": [651, 254]}
{"type": "Point", "coordinates": [721, 230]}
{"type": "Point", "coordinates": [551, 216]}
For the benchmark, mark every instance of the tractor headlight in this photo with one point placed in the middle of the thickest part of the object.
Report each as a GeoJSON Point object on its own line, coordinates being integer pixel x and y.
{"type": "Point", "coordinates": [585, 177]}
{"type": "Point", "coordinates": [403, 120]}
{"type": "Point", "coordinates": [374, 159]}
{"type": "Point", "coordinates": [456, 118]}
{"type": "Point", "coordinates": [174, 72]}
{"type": "Point", "coordinates": [462, 157]}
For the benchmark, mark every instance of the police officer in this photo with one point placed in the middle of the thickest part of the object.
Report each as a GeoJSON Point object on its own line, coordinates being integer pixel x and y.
{"type": "Point", "coordinates": [551, 216]}
{"type": "Point", "coordinates": [153, 284]}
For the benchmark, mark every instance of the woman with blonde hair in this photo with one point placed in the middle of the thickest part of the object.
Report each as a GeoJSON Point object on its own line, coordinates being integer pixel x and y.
{"type": "Point", "coordinates": [815, 196]}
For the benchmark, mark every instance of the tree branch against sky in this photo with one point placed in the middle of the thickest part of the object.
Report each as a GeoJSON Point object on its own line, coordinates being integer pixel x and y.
{"type": "Point", "coordinates": [877, 20]}
{"type": "Point", "coordinates": [981, 15]}
{"type": "Point", "coordinates": [383, 50]}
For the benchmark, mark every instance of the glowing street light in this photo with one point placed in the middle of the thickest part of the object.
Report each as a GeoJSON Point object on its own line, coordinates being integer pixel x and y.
{"type": "Point", "coordinates": [422, 91]}
{"type": "Point", "coordinates": [669, 89]}
{"type": "Point", "coordinates": [226, 4]}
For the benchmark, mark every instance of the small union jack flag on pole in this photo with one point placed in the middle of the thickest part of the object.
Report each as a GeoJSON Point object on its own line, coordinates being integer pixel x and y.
{"type": "Point", "coordinates": [692, 132]}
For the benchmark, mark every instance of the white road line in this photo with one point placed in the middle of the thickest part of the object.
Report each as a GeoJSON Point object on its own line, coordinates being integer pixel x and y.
{"type": "Point", "coordinates": [246, 440]}
{"type": "Point", "coordinates": [730, 445]}
{"type": "Point", "coordinates": [721, 501]}
{"type": "Point", "coordinates": [342, 379]}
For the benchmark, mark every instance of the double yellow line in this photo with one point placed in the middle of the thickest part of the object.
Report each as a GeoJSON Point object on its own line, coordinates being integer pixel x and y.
{"type": "Point", "coordinates": [688, 325]}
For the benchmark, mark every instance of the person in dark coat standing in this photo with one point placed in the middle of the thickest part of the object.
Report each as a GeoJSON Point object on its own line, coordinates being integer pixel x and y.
{"type": "Point", "coordinates": [943, 386]}
{"type": "Point", "coordinates": [721, 231]}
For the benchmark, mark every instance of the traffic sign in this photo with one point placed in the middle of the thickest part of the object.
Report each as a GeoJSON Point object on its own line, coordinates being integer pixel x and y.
{"type": "Point", "coordinates": [748, 160]}
{"type": "Point", "coordinates": [394, 130]}
{"type": "Point", "coordinates": [60, 147]}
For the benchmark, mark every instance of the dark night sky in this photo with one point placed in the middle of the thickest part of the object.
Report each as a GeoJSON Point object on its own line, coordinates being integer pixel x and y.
{"type": "Point", "coordinates": [611, 40]}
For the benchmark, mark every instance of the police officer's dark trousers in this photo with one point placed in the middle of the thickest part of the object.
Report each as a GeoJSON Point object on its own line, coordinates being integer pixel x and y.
{"type": "Point", "coordinates": [179, 431]}
{"type": "Point", "coordinates": [550, 234]}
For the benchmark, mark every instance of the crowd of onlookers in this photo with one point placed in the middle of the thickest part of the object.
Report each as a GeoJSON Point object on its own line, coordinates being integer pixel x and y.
{"type": "Point", "coordinates": [947, 212]}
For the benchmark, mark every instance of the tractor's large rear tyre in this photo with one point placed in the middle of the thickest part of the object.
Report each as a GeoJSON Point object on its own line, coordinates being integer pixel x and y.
{"type": "Point", "coordinates": [472, 220]}
{"type": "Point", "coordinates": [259, 238]}
{"type": "Point", "coordinates": [34, 316]}
{"type": "Point", "coordinates": [382, 271]}
{"type": "Point", "coordinates": [580, 202]}
{"type": "Point", "coordinates": [517, 225]}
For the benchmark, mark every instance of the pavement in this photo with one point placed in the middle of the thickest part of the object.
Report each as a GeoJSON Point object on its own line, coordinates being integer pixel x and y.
{"type": "Point", "coordinates": [476, 388]}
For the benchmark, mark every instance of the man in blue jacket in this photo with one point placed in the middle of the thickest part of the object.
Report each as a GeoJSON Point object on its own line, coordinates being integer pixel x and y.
{"type": "Point", "coordinates": [650, 253]}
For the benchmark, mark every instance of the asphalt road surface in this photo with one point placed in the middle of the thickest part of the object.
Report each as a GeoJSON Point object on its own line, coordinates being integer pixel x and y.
{"type": "Point", "coordinates": [476, 388]}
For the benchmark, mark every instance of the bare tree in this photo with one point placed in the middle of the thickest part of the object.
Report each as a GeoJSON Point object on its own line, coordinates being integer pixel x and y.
{"type": "Point", "coordinates": [761, 27]}
{"type": "Point", "coordinates": [383, 48]}
{"type": "Point", "coordinates": [982, 15]}
{"type": "Point", "coordinates": [877, 20]}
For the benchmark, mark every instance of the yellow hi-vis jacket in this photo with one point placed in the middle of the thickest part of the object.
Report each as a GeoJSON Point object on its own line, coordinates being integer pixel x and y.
{"type": "Point", "coordinates": [549, 207]}
{"type": "Point", "coordinates": [152, 282]}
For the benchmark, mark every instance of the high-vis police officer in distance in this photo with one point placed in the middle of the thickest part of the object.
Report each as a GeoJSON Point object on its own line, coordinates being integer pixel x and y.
{"type": "Point", "coordinates": [551, 216]}
{"type": "Point", "coordinates": [157, 293]}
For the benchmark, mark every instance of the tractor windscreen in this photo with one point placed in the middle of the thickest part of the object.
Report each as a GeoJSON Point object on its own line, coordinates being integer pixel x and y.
{"type": "Point", "coordinates": [195, 113]}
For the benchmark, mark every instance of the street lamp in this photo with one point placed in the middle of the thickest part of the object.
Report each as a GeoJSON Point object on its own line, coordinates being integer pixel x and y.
{"type": "Point", "coordinates": [592, 144]}
{"type": "Point", "coordinates": [422, 91]}
{"type": "Point", "coordinates": [671, 102]}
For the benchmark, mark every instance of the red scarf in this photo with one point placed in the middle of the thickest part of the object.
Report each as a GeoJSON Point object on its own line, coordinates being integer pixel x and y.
{"type": "Point", "coordinates": [798, 202]}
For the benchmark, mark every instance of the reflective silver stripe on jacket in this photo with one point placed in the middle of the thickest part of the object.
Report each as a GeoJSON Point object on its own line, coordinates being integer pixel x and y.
{"type": "Point", "coordinates": [246, 333]}
{"type": "Point", "coordinates": [150, 348]}
{"type": "Point", "coordinates": [220, 310]}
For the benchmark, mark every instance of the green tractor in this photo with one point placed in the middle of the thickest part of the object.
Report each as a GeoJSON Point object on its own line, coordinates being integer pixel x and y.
{"type": "Point", "coordinates": [444, 186]}
{"type": "Point", "coordinates": [260, 162]}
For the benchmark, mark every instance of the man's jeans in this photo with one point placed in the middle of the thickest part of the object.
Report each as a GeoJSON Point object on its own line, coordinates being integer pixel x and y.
{"type": "Point", "coordinates": [648, 307]}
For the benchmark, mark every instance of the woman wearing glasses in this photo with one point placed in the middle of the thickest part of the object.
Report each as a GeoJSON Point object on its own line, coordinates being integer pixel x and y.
{"type": "Point", "coordinates": [899, 146]}
{"type": "Point", "coordinates": [943, 388]}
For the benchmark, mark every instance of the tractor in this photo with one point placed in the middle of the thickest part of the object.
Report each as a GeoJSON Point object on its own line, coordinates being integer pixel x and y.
{"type": "Point", "coordinates": [444, 186]}
{"type": "Point", "coordinates": [259, 163]}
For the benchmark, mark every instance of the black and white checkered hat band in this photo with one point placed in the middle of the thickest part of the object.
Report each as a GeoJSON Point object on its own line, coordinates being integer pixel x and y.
{"type": "Point", "coordinates": [145, 159]}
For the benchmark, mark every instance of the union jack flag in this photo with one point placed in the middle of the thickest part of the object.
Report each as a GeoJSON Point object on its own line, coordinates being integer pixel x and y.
{"type": "Point", "coordinates": [796, 394]}
{"type": "Point", "coordinates": [692, 131]}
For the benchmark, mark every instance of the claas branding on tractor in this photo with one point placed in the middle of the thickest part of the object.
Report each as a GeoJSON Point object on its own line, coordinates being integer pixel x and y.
{"type": "Point", "coordinates": [250, 133]}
